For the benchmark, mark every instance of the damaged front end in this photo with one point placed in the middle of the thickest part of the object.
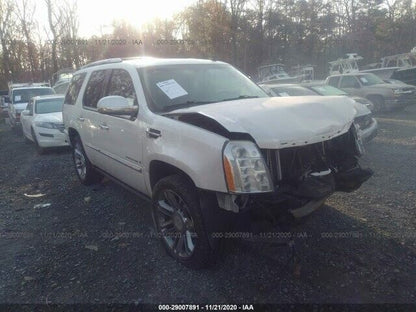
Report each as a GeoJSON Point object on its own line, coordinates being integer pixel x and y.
{"type": "Point", "coordinates": [303, 177]}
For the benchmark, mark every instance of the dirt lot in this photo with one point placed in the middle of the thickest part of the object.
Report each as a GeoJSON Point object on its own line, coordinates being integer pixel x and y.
{"type": "Point", "coordinates": [96, 244]}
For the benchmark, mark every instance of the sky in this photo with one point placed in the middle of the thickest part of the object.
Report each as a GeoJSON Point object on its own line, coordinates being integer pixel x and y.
{"type": "Point", "coordinates": [96, 16]}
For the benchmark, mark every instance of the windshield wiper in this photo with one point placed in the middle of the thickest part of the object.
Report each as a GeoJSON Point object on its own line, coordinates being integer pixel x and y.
{"type": "Point", "coordinates": [184, 105]}
{"type": "Point", "coordinates": [241, 97]}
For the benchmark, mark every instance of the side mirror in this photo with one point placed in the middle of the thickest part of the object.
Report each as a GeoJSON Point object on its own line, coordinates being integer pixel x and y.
{"type": "Point", "coordinates": [117, 106]}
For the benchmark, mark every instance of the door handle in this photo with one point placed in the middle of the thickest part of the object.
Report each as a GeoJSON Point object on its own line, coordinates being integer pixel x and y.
{"type": "Point", "coordinates": [153, 133]}
{"type": "Point", "coordinates": [104, 127]}
{"type": "Point", "coordinates": [81, 118]}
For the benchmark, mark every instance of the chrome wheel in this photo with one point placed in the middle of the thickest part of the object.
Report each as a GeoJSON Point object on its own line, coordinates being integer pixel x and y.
{"type": "Point", "coordinates": [175, 224]}
{"type": "Point", "coordinates": [80, 162]}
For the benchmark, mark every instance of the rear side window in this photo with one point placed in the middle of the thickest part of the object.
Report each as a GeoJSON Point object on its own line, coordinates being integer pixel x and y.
{"type": "Point", "coordinates": [94, 90]}
{"type": "Point", "coordinates": [73, 89]}
{"type": "Point", "coordinates": [121, 84]}
{"type": "Point", "coordinates": [333, 81]}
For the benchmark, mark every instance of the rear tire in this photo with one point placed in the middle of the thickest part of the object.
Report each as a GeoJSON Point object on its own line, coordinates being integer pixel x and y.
{"type": "Point", "coordinates": [83, 167]}
{"type": "Point", "coordinates": [179, 223]}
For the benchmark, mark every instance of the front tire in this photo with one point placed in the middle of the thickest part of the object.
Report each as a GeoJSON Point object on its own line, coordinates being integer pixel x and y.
{"type": "Point", "coordinates": [83, 167]}
{"type": "Point", "coordinates": [179, 223]}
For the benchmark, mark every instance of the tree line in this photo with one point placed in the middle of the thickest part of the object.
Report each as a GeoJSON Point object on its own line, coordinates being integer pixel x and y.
{"type": "Point", "coordinates": [245, 33]}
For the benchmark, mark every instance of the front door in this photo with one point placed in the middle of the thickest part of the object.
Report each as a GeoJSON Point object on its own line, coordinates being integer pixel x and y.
{"type": "Point", "coordinates": [118, 138]}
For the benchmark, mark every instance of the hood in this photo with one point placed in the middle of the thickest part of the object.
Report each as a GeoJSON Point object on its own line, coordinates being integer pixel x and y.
{"type": "Point", "coordinates": [19, 107]}
{"type": "Point", "coordinates": [281, 122]}
{"type": "Point", "coordinates": [385, 86]}
{"type": "Point", "coordinates": [50, 117]}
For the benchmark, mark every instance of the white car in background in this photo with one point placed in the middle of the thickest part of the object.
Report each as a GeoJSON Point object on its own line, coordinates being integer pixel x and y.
{"type": "Point", "coordinates": [19, 96]}
{"type": "Point", "coordinates": [42, 122]}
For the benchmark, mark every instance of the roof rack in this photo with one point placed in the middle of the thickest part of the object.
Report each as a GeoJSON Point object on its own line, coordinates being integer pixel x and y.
{"type": "Point", "coordinates": [103, 62]}
{"type": "Point", "coordinates": [13, 85]}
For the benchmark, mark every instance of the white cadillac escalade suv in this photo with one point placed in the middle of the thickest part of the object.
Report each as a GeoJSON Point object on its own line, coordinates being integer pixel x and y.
{"type": "Point", "coordinates": [206, 144]}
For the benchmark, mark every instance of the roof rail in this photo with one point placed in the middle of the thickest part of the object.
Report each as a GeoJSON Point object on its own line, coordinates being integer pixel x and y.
{"type": "Point", "coordinates": [103, 62]}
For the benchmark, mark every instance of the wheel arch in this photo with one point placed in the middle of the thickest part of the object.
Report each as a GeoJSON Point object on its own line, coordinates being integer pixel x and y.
{"type": "Point", "coordinates": [159, 169]}
{"type": "Point", "coordinates": [375, 96]}
{"type": "Point", "coordinates": [72, 133]}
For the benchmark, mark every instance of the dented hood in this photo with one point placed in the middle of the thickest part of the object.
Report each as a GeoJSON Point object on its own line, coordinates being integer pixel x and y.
{"type": "Point", "coordinates": [281, 122]}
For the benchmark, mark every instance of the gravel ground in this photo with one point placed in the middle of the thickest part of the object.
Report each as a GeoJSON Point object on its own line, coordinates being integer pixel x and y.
{"type": "Point", "coordinates": [96, 244]}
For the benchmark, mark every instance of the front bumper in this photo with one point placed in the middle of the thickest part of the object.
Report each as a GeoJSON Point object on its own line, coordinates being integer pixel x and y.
{"type": "Point", "coordinates": [401, 101]}
{"type": "Point", "coordinates": [50, 137]}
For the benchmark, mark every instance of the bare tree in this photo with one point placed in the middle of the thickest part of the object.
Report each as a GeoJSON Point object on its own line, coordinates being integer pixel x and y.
{"type": "Point", "coordinates": [6, 28]}
{"type": "Point", "coordinates": [25, 12]}
{"type": "Point", "coordinates": [57, 23]}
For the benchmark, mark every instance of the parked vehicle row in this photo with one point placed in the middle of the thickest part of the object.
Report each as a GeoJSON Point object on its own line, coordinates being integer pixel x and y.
{"type": "Point", "coordinates": [363, 118]}
{"type": "Point", "coordinates": [204, 143]}
{"type": "Point", "coordinates": [384, 95]}
{"type": "Point", "coordinates": [20, 95]}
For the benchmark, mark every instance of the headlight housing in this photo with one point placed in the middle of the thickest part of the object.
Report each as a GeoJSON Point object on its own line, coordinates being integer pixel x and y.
{"type": "Point", "coordinates": [397, 91]}
{"type": "Point", "coordinates": [48, 125]}
{"type": "Point", "coordinates": [244, 168]}
{"type": "Point", "coordinates": [364, 121]}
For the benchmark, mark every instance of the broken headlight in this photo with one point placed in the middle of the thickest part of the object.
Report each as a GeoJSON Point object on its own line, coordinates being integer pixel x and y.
{"type": "Point", "coordinates": [245, 169]}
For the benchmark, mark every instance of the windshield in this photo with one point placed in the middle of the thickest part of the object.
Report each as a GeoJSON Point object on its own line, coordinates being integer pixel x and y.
{"type": "Point", "coordinates": [170, 87]}
{"type": "Point", "coordinates": [369, 79]}
{"type": "Point", "coordinates": [327, 90]}
{"type": "Point", "coordinates": [292, 91]}
{"type": "Point", "coordinates": [24, 95]}
{"type": "Point", "coordinates": [49, 106]}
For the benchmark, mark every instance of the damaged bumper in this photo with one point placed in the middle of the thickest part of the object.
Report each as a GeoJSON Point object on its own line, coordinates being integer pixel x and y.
{"type": "Point", "coordinates": [304, 176]}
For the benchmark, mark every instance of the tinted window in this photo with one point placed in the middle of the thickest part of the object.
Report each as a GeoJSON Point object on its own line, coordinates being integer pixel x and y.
{"type": "Point", "coordinates": [73, 89]}
{"type": "Point", "coordinates": [94, 90]}
{"type": "Point", "coordinates": [49, 106]}
{"type": "Point", "coordinates": [121, 84]}
{"type": "Point", "coordinates": [24, 95]}
{"type": "Point", "coordinates": [333, 81]}
{"type": "Point", "coordinates": [349, 82]}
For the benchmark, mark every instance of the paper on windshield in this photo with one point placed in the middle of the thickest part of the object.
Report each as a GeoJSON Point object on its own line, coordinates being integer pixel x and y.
{"type": "Point", "coordinates": [171, 88]}
{"type": "Point", "coordinates": [17, 98]}
{"type": "Point", "coordinates": [363, 79]}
